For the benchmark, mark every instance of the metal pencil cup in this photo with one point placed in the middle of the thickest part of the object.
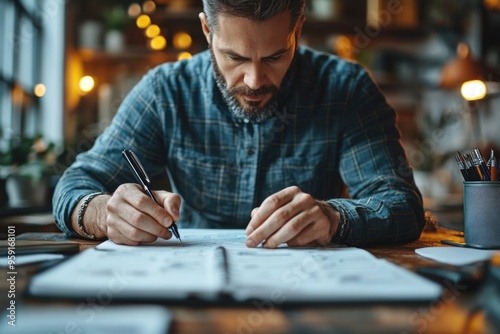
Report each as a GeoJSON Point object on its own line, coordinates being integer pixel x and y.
{"type": "Point", "coordinates": [482, 214]}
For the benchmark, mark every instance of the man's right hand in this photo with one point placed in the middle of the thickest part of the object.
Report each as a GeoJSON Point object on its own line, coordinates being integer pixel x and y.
{"type": "Point", "coordinates": [131, 217]}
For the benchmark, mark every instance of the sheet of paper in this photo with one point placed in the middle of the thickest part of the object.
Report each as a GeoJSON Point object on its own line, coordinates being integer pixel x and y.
{"type": "Point", "coordinates": [199, 238]}
{"type": "Point", "coordinates": [457, 256]}
{"type": "Point", "coordinates": [89, 319]}
{"type": "Point", "coordinates": [166, 270]}
{"type": "Point", "coordinates": [27, 259]}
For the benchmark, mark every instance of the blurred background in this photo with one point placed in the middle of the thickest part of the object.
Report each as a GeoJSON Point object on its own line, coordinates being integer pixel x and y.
{"type": "Point", "coordinates": [66, 65]}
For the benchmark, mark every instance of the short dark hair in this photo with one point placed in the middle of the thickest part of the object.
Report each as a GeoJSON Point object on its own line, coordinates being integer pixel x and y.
{"type": "Point", "coordinates": [257, 10]}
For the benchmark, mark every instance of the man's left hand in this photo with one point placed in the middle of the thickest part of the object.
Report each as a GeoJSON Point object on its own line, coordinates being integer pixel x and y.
{"type": "Point", "coordinates": [293, 217]}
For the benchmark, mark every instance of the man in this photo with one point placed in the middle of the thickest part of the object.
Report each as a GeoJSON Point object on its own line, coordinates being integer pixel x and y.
{"type": "Point", "coordinates": [257, 133]}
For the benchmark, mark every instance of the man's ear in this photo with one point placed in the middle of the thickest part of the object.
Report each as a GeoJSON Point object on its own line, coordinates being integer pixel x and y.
{"type": "Point", "coordinates": [204, 26]}
{"type": "Point", "coordinates": [298, 29]}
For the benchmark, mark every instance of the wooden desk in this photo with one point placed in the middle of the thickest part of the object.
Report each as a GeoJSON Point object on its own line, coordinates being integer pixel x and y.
{"type": "Point", "coordinates": [447, 315]}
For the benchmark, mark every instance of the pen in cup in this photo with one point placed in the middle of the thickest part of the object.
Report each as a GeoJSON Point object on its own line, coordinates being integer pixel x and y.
{"type": "Point", "coordinates": [471, 169]}
{"type": "Point", "coordinates": [481, 164]}
{"type": "Point", "coordinates": [493, 166]}
{"type": "Point", "coordinates": [143, 179]}
{"type": "Point", "coordinates": [461, 166]}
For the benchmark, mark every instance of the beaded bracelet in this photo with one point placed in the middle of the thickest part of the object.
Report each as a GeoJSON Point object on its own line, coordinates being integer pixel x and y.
{"type": "Point", "coordinates": [81, 212]}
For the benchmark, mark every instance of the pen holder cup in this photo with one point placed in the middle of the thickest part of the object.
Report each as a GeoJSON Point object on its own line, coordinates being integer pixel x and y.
{"type": "Point", "coordinates": [482, 214]}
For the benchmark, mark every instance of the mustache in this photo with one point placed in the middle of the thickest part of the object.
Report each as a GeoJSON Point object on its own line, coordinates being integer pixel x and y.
{"type": "Point", "coordinates": [262, 91]}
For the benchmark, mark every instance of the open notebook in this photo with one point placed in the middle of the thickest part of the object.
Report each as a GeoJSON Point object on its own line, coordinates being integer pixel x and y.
{"type": "Point", "coordinates": [216, 265]}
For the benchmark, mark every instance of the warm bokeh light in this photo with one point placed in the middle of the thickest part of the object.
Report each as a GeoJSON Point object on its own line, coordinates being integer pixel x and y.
{"type": "Point", "coordinates": [492, 4]}
{"type": "Point", "coordinates": [182, 40]}
{"type": "Point", "coordinates": [158, 43]}
{"type": "Point", "coordinates": [134, 10]}
{"type": "Point", "coordinates": [344, 47]}
{"type": "Point", "coordinates": [87, 84]}
{"type": "Point", "coordinates": [40, 90]}
{"type": "Point", "coordinates": [152, 31]}
{"type": "Point", "coordinates": [143, 21]}
{"type": "Point", "coordinates": [473, 90]}
{"type": "Point", "coordinates": [148, 7]}
{"type": "Point", "coordinates": [184, 55]}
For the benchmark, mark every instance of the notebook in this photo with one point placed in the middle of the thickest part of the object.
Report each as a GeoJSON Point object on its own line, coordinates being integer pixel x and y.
{"type": "Point", "coordinates": [88, 318]}
{"type": "Point", "coordinates": [215, 265]}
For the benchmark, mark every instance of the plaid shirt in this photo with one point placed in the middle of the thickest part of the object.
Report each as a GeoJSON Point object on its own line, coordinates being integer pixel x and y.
{"type": "Point", "coordinates": [331, 127]}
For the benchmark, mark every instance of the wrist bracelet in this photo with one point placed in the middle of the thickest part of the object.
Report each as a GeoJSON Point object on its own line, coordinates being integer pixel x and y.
{"type": "Point", "coordinates": [81, 212]}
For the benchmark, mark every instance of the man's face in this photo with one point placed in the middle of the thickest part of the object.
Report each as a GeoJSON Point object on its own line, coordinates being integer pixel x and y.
{"type": "Point", "coordinates": [250, 61]}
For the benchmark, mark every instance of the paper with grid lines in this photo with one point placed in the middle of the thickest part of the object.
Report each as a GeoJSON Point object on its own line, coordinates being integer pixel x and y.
{"type": "Point", "coordinates": [216, 263]}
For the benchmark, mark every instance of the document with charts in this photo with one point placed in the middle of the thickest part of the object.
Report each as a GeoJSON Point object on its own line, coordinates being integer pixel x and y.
{"type": "Point", "coordinates": [216, 265]}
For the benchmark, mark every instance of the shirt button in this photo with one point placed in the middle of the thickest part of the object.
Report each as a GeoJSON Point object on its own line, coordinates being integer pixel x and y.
{"type": "Point", "coordinates": [250, 151]}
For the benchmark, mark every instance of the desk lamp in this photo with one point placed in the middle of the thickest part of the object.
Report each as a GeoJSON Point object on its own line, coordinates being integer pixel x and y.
{"type": "Point", "coordinates": [475, 80]}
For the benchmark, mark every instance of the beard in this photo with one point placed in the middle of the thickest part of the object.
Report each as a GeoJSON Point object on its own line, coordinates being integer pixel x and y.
{"type": "Point", "coordinates": [254, 112]}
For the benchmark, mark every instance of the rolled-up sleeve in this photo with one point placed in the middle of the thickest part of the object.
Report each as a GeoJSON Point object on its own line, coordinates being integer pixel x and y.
{"type": "Point", "coordinates": [385, 206]}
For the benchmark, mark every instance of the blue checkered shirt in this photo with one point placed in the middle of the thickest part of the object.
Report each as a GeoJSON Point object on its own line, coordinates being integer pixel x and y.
{"type": "Point", "coordinates": [331, 128]}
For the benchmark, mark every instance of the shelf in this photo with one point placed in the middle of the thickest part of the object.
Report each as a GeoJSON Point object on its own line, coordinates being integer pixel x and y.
{"type": "Point", "coordinates": [316, 27]}
{"type": "Point", "coordinates": [128, 55]}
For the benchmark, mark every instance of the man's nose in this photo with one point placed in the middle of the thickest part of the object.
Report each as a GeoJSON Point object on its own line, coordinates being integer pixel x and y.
{"type": "Point", "coordinates": [254, 75]}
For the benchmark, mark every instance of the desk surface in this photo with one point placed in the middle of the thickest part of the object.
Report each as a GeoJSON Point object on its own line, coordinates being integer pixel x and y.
{"type": "Point", "coordinates": [447, 315]}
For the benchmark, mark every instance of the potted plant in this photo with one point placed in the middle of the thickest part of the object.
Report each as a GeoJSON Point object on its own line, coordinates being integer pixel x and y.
{"type": "Point", "coordinates": [29, 163]}
{"type": "Point", "coordinates": [115, 19]}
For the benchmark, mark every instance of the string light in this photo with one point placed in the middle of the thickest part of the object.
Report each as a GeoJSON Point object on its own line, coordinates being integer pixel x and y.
{"type": "Point", "coordinates": [87, 84]}
{"type": "Point", "coordinates": [158, 43]}
{"type": "Point", "coordinates": [152, 31]}
{"type": "Point", "coordinates": [148, 7]}
{"type": "Point", "coordinates": [143, 21]}
{"type": "Point", "coordinates": [184, 55]}
{"type": "Point", "coordinates": [134, 10]}
{"type": "Point", "coordinates": [182, 40]}
{"type": "Point", "coordinates": [40, 90]}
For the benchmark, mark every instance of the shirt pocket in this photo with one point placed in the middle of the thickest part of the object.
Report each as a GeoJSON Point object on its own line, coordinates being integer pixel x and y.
{"type": "Point", "coordinates": [206, 185]}
{"type": "Point", "coordinates": [308, 173]}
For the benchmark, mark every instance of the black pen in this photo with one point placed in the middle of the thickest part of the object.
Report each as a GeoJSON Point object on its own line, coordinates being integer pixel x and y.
{"type": "Point", "coordinates": [143, 179]}
{"type": "Point", "coordinates": [471, 169]}
{"type": "Point", "coordinates": [482, 165]}
{"type": "Point", "coordinates": [461, 166]}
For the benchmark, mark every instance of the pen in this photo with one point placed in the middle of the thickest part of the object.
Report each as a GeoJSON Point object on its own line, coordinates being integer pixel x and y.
{"type": "Point", "coordinates": [482, 165]}
{"type": "Point", "coordinates": [492, 155]}
{"type": "Point", "coordinates": [461, 166]}
{"type": "Point", "coordinates": [471, 169]}
{"type": "Point", "coordinates": [493, 168]}
{"type": "Point", "coordinates": [141, 176]}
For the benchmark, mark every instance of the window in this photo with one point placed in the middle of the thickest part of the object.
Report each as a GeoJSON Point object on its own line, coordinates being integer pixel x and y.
{"type": "Point", "coordinates": [20, 65]}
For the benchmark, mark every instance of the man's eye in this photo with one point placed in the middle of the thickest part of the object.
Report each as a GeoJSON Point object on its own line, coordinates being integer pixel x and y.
{"type": "Point", "coordinates": [273, 59]}
{"type": "Point", "coordinates": [236, 58]}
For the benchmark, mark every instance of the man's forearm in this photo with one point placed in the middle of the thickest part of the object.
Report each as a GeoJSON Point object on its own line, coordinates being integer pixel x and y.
{"type": "Point", "coordinates": [93, 217]}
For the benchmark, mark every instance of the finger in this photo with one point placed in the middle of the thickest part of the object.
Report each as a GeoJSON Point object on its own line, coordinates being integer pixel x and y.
{"type": "Point", "coordinates": [248, 230]}
{"type": "Point", "coordinates": [276, 221]}
{"type": "Point", "coordinates": [254, 211]}
{"type": "Point", "coordinates": [150, 208]}
{"type": "Point", "coordinates": [130, 206]}
{"type": "Point", "coordinates": [292, 229]}
{"type": "Point", "coordinates": [308, 237]}
{"type": "Point", "coordinates": [171, 203]}
{"type": "Point", "coordinates": [318, 233]}
{"type": "Point", "coordinates": [117, 231]}
{"type": "Point", "coordinates": [269, 206]}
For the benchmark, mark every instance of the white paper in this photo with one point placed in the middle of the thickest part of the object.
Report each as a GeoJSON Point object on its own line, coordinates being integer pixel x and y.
{"type": "Point", "coordinates": [457, 256]}
{"type": "Point", "coordinates": [22, 260]}
{"type": "Point", "coordinates": [89, 319]}
{"type": "Point", "coordinates": [166, 270]}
